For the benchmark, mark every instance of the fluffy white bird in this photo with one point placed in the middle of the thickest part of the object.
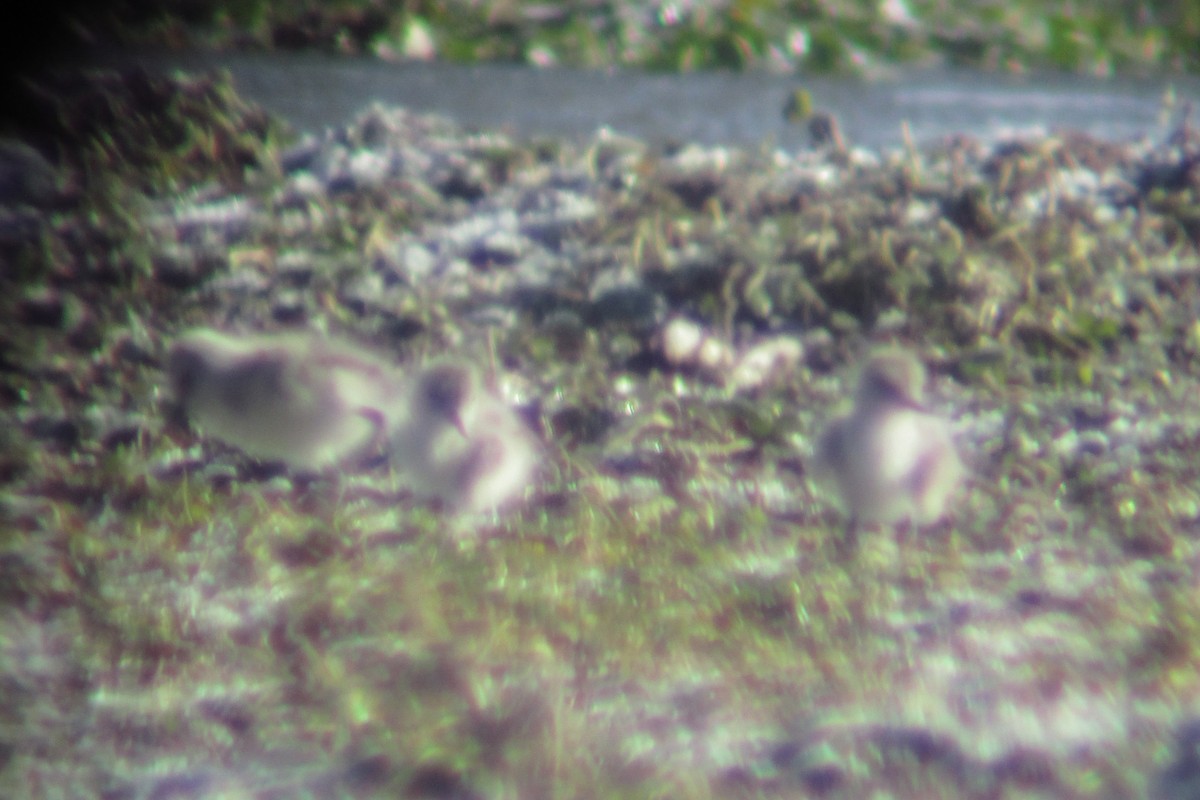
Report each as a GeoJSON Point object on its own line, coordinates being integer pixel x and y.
{"type": "Point", "coordinates": [298, 398]}
{"type": "Point", "coordinates": [460, 443]}
{"type": "Point", "coordinates": [892, 459]}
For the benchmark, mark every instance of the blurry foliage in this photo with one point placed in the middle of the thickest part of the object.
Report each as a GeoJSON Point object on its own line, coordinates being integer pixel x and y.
{"type": "Point", "coordinates": [843, 36]}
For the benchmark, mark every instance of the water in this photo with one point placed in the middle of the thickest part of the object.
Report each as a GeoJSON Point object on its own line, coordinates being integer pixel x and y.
{"type": "Point", "coordinates": [314, 92]}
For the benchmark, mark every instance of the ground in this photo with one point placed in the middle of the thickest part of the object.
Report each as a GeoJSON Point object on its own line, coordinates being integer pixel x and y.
{"type": "Point", "coordinates": [671, 611]}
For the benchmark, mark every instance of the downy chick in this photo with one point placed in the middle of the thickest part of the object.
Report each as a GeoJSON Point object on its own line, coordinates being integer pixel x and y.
{"type": "Point", "coordinates": [891, 458]}
{"type": "Point", "coordinates": [461, 444]}
{"type": "Point", "coordinates": [297, 398]}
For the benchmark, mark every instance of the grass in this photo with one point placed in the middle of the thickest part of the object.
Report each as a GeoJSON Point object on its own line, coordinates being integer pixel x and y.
{"type": "Point", "coordinates": [669, 615]}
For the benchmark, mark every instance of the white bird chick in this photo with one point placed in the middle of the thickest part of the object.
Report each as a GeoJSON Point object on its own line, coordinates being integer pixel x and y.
{"type": "Point", "coordinates": [295, 398]}
{"type": "Point", "coordinates": [461, 444]}
{"type": "Point", "coordinates": [893, 460]}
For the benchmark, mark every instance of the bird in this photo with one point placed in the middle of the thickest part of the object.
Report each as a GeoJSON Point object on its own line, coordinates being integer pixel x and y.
{"type": "Point", "coordinates": [460, 444]}
{"type": "Point", "coordinates": [309, 401]}
{"type": "Point", "coordinates": [893, 460]}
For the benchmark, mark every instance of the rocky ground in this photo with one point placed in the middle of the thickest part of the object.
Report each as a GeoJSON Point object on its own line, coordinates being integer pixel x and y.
{"type": "Point", "coordinates": [669, 614]}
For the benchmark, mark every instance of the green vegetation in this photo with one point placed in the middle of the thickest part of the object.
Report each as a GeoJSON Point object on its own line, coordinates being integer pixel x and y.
{"type": "Point", "coordinates": [843, 36]}
{"type": "Point", "coordinates": [670, 614]}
